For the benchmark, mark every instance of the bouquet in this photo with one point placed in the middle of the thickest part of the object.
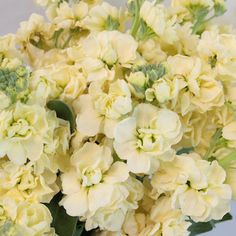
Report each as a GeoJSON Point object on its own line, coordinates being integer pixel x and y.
{"type": "Point", "coordinates": [118, 122]}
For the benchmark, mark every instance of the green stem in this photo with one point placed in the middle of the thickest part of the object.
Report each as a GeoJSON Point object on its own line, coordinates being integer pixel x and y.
{"type": "Point", "coordinates": [67, 42]}
{"type": "Point", "coordinates": [136, 22]}
{"type": "Point", "coordinates": [214, 141]}
{"type": "Point", "coordinates": [227, 160]}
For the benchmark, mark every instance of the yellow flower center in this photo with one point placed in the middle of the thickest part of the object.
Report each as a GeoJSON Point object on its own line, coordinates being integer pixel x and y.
{"type": "Point", "coordinates": [91, 177]}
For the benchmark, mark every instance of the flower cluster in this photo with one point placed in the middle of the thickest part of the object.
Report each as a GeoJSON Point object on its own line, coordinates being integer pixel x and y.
{"type": "Point", "coordinates": [134, 128]}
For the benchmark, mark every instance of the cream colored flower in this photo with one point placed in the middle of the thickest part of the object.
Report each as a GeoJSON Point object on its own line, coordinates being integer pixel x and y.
{"type": "Point", "coordinates": [112, 217]}
{"type": "Point", "coordinates": [107, 49]}
{"type": "Point", "coordinates": [27, 131]}
{"type": "Point", "coordinates": [100, 110]}
{"type": "Point", "coordinates": [163, 220]}
{"type": "Point", "coordinates": [229, 131]}
{"type": "Point", "coordinates": [165, 90]}
{"type": "Point", "coordinates": [19, 217]}
{"type": "Point", "coordinates": [219, 51]}
{"type": "Point", "coordinates": [231, 178]}
{"type": "Point", "coordinates": [172, 221]}
{"type": "Point", "coordinates": [95, 175]}
{"type": "Point", "coordinates": [151, 51]}
{"type": "Point", "coordinates": [9, 55]}
{"type": "Point", "coordinates": [204, 91]}
{"type": "Point", "coordinates": [158, 19]}
{"type": "Point", "coordinates": [197, 185]}
{"type": "Point", "coordinates": [34, 218]}
{"type": "Point", "coordinates": [24, 180]}
{"type": "Point", "coordinates": [22, 131]}
{"type": "Point", "coordinates": [146, 137]}
{"type": "Point", "coordinates": [35, 31]}
{"type": "Point", "coordinates": [102, 17]}
{"type": "Point", "coordinates": [67, 16]}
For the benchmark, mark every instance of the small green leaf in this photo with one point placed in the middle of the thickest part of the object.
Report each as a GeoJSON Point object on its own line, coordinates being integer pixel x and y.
{"type": "Point", "coordinates": [64, 224]}
{"type": "Point", "coordinates": [199, 228]}
{"type": "Point", "coordinates": [226, 217]}
{"type": "Point", "coordinates": [203, 227]}
{"type": "Point", "coordinates": [63, 111]}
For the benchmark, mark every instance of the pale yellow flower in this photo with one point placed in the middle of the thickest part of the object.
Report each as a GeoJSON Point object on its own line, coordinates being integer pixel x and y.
{"type": "Point", "coordinates": [100, 110]}
{"type": "Point", "coordinates": [99, 16]}
{"type": "Point", "coordinates": [197, 186]}
{"type": "Point", "coordinates": [107, 48]}
{"type": "Point", "coordinates": [146, 137]}
{"type": "Point", "coordinates": [24, 218]}
{"type": "Point", "coordinates": [9, 55]}
{"type": "Point", "coordinates": [204, 91]}
{"type": "Point", "coordinates": [34, 218]}
{"type": "Point", "coordinates": [158, 19]}
{"type": "Point", "coordinates": [70, 16]}
{"type": "Point", "coordinates": [151, 51]}
{"type": "Point", "coordinates": [23, 128]}
{"type": "Point", "coordinates": [219, 51]}
{"type": "Point", "coordinates": [24, 179]}
{"type": "Point", "coordinates": [93, 164]}
{"type": "Point", "coordinates": [95, 174]}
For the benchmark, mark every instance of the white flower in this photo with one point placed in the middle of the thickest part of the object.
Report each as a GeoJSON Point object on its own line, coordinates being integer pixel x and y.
{"type": "Point", "coordinates": [105, 49]}
{"type": "Point", "coordinates": [34, 218]}
{"type": "Point", "coordinates": [26, 182]}
{"type": "Point", "coordinates": [172, 220]}
{"type": "Point", "coordinates": [219, 51]}
{"type": "Point", "coordinates": [204, 91]}
{"type": "Point", "coordinates": [59, 80]}
{"type": "Point", "coordinates": [165, 90]}
{"type": "Point", "coordinates": [95, 175]}
{"type": "Point", "coordinates": [19, 217]}
{"type": "Point", "coordinates": [157, 18]}
{"type": "Point", "coordinates": [197, 185]}
{"type": "Point", "coordinates": [22, 130]}
{"type": "Point", "coordinates": [146, 137]}
{"type": "Point", "coordinates": [99, 16]}
{"type": "Point", "coordinates": [229, 131]}
{"type": "Point", "coordinates": [100, 110]}
{"type": "Point", "coordinates": [67, 16]}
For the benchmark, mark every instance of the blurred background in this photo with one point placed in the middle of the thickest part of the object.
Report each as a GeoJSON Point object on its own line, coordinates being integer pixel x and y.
{"type": "Point", "coordinates": [15, 11]}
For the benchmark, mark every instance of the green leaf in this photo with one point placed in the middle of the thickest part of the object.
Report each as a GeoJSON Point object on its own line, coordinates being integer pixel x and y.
{"type": "Point", "coordinates": [185, 150]}
{"type": "Point", "coordinates": [64, 224]}
{"type": "Point", "coordinates": [63, 111]}
{"type": "Point", "coordinates": [226, 217]}
{"type": "Point", "coordinates": [199, 228]}
{"type": "Point", "coordinates": [203, 227]}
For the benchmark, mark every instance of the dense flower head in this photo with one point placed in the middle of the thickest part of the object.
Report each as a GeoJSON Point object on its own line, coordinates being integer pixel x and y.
{"type": "Point", "coordinates": [122, 119]}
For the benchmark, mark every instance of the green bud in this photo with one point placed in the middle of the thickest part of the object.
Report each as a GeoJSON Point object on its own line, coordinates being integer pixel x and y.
{"type": "Point", "coordinates": [152, 71]}
{"type": "Point", "coordinates": [14, 83]}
